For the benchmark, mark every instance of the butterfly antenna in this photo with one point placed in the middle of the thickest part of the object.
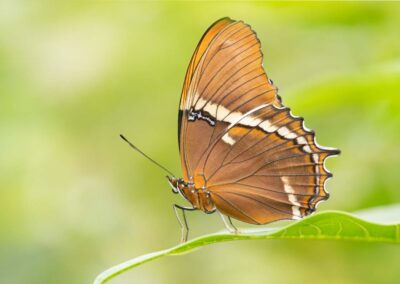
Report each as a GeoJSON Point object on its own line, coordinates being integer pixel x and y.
{"type": "Point", "coordinates": [140, 151]}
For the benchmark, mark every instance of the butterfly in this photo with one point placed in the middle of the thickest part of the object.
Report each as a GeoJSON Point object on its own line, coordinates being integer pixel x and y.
{"type": "Point", "coordinates": [243, 153]}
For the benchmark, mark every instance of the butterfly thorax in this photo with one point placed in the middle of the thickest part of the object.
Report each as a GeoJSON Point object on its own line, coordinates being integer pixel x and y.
{"type": "Point", "coordinates": [194, 192]}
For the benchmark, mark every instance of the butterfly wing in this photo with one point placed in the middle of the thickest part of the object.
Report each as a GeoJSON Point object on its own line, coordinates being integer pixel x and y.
{"type": "Point", "coordinates": [224, 76]}
{"type": "Point", "coordinates": [271, 171]}
{"type": "Point", "coordinates": [258, 162]}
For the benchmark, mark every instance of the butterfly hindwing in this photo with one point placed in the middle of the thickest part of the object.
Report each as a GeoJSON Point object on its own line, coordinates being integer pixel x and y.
{"type": "Point", "coordinates": [265, 165]}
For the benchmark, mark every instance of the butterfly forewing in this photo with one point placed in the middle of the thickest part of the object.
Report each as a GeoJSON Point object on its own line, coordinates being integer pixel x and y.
{"type": "Point", "coordinates": [259, 163]}
{"type": "Point", "coordinates": [225, 78]}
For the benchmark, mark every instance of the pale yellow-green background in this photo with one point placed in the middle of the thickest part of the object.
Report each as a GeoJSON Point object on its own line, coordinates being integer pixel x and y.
{"type": "Point", "coordinates": [74, 199]}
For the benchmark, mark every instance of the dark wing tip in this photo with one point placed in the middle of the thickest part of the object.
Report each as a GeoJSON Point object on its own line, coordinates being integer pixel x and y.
{"type": "Point", "coordinates": [225, 18]}
{"type": "Point", "coordinates": [336, 152]}
{"type": "Point", "coordinates": [333, 152]}
{"type": "Point", "coordinates": [221, 20]}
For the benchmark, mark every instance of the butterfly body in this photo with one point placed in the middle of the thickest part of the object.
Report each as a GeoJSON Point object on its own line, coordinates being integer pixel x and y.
{"type": "Point", "coordinates": [243, 153]}
{"type": "Point", "coordinates": [198, 196]}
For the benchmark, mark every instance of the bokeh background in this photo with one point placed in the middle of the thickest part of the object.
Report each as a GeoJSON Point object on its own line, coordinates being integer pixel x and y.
{"type": "Point", "coordinates": [74, 199]}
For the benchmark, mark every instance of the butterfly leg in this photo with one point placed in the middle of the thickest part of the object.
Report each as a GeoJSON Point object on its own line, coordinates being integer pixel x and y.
{"type": "Point", "coordinates": [228, 224]}
{"type": "Point", "coordinates": [182, 221]}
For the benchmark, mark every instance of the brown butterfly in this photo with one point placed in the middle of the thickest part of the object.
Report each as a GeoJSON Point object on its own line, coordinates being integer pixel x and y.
{"type": "Point", "coordinates": [243, 153]}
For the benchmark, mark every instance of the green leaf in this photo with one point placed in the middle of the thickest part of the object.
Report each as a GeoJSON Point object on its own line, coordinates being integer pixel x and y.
{"type": "Point", "coordinates": [328, 225]}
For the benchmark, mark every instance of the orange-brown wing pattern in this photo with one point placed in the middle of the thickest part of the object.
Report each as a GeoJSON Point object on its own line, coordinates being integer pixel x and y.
{"type": "Point", "coordinates": [258, 162]}
{"type": "Point", "coordinates": [276, 165]}
{"type": "Point", "coordinates": [204, 43]}
{"type": "Point", "coordinates": [225, 78]}
{"type": "Point", "coordinates": [187, 96]}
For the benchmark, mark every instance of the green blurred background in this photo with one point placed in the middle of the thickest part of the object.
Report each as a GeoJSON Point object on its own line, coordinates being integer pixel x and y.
{"type": "Point", "coordinates": [76, 200]}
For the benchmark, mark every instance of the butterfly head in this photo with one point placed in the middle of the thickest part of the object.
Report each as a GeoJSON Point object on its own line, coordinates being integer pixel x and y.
{"type": "Point", "coordinates": [175, 183]}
